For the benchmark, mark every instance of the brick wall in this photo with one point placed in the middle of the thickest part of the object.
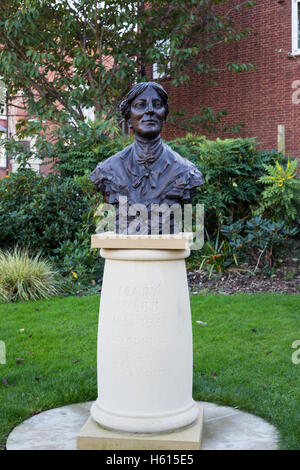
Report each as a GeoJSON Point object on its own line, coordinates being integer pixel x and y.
{"type": "Point", "coordinates": [261, 99]}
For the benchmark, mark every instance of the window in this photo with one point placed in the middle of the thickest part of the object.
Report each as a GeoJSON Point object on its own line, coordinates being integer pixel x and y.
{"type": "Point", "coordinates": [2, 123]}
{"type": "Point", "coordinates": [89, 113]}
{"type": "Point", "coordinates": [164, 48]}
{"type": "Point", "coordinates": [3, 162]}
{"type": "Point", "coordinates": [33, 163]}
{"type": "Point", "coordinates": [2, 100]}
{"type": "Point", "coordinates": [295, 27]}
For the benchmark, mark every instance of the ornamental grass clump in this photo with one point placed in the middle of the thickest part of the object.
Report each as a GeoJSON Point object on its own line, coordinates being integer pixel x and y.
{"type": "Point", "coordinates": [26, 278]}
{"type": "Point", "coordinates": [3, 295]}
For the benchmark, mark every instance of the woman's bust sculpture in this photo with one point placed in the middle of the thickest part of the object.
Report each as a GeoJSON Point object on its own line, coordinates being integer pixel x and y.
{"type": "Point", "coordinates": [147, 171]}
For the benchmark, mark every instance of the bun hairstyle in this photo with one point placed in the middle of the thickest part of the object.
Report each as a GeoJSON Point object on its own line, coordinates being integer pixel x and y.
{"type": "Point", "coordinates": [137, 90]}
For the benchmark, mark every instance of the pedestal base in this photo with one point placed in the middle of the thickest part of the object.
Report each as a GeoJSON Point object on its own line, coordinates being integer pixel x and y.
{"type": "Point", "coordinates": [94, 437]}
{"type": "Point", "coordinates": [158, 423]}
{"type": "Point", "coordinates": [145, 351]}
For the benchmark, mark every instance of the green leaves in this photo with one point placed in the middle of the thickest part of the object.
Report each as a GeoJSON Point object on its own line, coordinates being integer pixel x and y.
{"type": "Point", "coordinates": [256, 238]}
{"type": "Point", "coordinates": [26, 278]}
{"type": "Point", "coordinates": [40, 212]}
{"type": "Point", "coordinates": [231, 169]}
{"type": "Point", "coordinates": [66, 57]}
{"type": "Point", "coordinates": [281, 195]}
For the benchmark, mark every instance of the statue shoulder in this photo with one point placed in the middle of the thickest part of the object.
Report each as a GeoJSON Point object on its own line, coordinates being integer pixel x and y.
{"type": "Point", "coordinates": [113, 160]}
{"type": "Point", "coordinates": [176, 157]}
{"type": "Point", "coordinates": [189, 172]}
{"type": "Point", "coordinates": [111, 169]}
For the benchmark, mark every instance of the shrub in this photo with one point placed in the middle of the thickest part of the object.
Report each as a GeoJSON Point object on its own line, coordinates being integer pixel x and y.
{"type": "Point", "coordinates": [231, 169]}
{"type": "Point", "coordinates": [281, 196]}
{"type": "Point", "coordinates": [257, 238]}
{"type": "Point", "coordinates": [77, 262]}
{"type": "Point", "coordinates": [3, 295]}
{"type": "Point", "coordinates": [26, 278]}
{"type": "Point", "coordinates": [53, 216]}
{"type": "Point", "coordinates": [83, 159]}
{"type": "Point", "coordinates": [40, 213]}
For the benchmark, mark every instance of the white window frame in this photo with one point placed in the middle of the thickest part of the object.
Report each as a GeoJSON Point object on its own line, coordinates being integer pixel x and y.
{"type": "Point", "coordinates": [295, 28]}
{"type": "Point", "coordinates": [156, 75]}
{"type": "Point", "coordinates": [33, 163]}
{"type": "Point", "coordinates": [89, 113]}
{"type": "Point", "coordinates": [3, 115]}
{"type": "Point", "coordinates": [3, 157]}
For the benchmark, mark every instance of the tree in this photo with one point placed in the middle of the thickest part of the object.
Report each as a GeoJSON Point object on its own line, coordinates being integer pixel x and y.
{"type": "Point", "coordinates": [66, 56]}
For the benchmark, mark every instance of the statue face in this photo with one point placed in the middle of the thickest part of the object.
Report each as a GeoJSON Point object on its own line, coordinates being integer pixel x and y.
{"type": "Point", "coordinates": [147, 114]}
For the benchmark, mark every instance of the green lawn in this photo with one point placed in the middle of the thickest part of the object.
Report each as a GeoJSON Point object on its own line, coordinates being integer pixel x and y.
{"type": "Point", "coordinates": [242, 357]}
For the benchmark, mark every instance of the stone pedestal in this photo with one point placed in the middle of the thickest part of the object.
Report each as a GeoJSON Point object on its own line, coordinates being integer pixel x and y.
{"type": "Point", "coordinates": [145, 354]}
{"type": "Point", "coordinates": [94, 437]}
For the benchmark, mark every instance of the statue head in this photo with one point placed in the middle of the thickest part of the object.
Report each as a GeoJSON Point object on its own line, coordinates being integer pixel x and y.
{"type": "Point", "coordinates": [145, 108]}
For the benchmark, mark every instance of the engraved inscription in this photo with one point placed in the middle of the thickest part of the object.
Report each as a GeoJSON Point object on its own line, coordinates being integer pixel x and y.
{"type": "Point", "coordinates": [134, 300]}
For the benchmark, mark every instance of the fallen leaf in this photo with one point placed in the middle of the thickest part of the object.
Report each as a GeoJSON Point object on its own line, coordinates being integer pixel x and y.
{"type": "Point", "coordinates": [37, 378]}
{"type": "Point", "coordinates": [19, 360]}
{"type": "Point", "coordinates": [29, 336]}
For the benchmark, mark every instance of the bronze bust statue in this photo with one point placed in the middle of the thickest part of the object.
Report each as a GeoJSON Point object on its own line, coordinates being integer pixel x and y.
{"type": "Point", "coordinates": [147, 171]}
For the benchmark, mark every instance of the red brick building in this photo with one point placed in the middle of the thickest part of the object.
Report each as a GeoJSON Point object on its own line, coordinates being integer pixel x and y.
{"type": "Point", "coordinates": [263, 99]}
{"type": "Point", "coordinates": [267, 101]}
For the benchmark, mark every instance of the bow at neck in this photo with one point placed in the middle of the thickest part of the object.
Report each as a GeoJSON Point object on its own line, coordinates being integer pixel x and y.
{"type": "Point", "coordinates": [146, 153]}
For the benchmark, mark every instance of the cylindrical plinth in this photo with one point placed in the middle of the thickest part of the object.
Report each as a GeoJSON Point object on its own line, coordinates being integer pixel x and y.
{"type": "Point", "coordinates": [145, 355]}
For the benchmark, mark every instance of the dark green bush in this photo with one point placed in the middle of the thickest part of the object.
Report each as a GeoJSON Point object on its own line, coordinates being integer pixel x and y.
{"type": "Point", "coordinates": [40, 212]}
{"type": "Point", "coordinates": [83, 159]}
{"type": "Point", "coordinates": [258, 238]}
{"type": "Point", "coordinates": [53, 216]}
{"type": "Point", "coordinates": [231, 169]}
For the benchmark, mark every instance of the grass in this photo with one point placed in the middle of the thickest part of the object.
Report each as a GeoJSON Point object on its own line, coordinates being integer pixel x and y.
{"type": "Point", "coordinates": [26, 278]}
{"type": "Point", "coordinates": [242, 357]}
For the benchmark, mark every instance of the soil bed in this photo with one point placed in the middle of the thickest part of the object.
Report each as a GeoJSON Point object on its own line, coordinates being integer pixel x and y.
{"type": "Point", "coordinates": [286, 279]}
